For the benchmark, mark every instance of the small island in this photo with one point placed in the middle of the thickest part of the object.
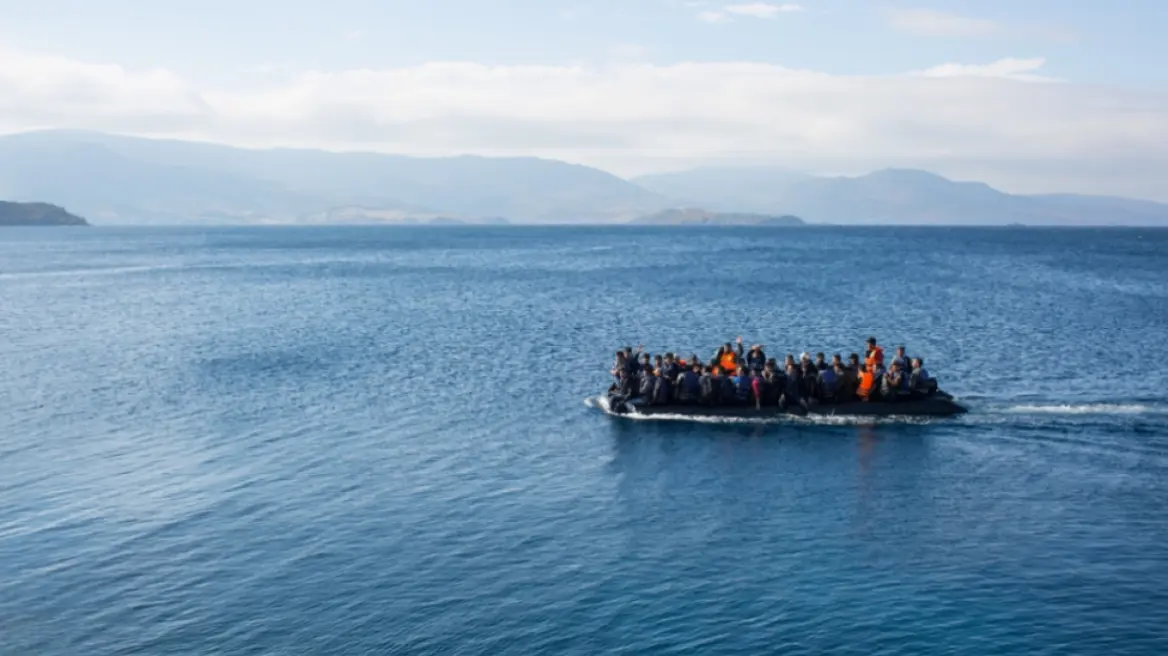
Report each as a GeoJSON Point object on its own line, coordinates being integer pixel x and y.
{"type": "Point", "coordinates": [697, 216]}
{"type": "Point", "coordinates": [37, 214]}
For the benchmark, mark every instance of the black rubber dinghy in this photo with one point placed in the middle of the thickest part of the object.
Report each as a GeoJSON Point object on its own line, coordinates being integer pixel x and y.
{"type": "Point", "coordinates": [939, 404]}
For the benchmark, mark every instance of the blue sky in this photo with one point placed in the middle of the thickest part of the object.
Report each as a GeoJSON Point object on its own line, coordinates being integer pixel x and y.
{"type": "Point", "coordinates": [1013, 90]}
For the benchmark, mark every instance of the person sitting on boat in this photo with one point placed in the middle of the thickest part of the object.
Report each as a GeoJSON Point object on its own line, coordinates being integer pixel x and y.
{"type": "Point", "coordinates": [646, 363]}
{"type": "Point", "coordinates": [756, 359]}
{"type": "Point", "coordinates": [793, 389]}
{"type": "Point", "coordinates": [743, 386]}
{"type": "Point", "coordinates": [827, 384]}
{"type": "Point", "coordinates": [901, 359]}
{"type": "Point", "coordinates": [624, 388]}
{"type": "Point", "coordinates": [810, 381]}
{"type": "Point", "coordinates": [689, 385]}
{"type": "Point", "coordinates": [669, 367]}
{"type": "Point", "coordinates": [919, 381]}
{"type": "Point", "coordinates": [820, 362]}
{"type": "Point", "coordinates": [729, 389]}
{"type": "Point", "coordinates": [846, 383]}
{"type": "Point", "coordinates": [769, 386]}
{"type": "Point", "coordinates": [867, 383]}
{"type": "Point", "coordinates": [662, 390]}
{"type": "Point", "coordinates": [892, 384]}
{"type": "Point", "coordinates": [711, 387]}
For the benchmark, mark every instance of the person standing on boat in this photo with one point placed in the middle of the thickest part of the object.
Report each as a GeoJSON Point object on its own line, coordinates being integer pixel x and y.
{"type": "Point", "coordinates": [728, 359]}
{"type": "Point", "coordinates": [874, 355]}
{"type": "Point", "coordinates": [756, 359]}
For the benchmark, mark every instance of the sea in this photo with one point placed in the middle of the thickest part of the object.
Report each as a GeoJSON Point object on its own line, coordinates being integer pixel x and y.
{"type": "Point", "coordinates": [385, 440]}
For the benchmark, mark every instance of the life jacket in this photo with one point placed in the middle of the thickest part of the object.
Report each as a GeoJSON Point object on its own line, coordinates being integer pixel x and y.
{"type": "Point", "coordinates": [875, 356]}
{"type": "Point", "coordinates": [729, 361]}
{"type": "Point", "coordinates": [867, 380]}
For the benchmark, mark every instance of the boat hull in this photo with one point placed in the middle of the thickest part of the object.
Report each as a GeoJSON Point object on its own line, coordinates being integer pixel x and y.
{"type": "Point", "coordinates": [934, 406]}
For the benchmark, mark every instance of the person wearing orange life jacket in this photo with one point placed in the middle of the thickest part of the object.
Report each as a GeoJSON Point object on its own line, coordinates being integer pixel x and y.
{"type": "Point", "coordinates": [867, 382]}
{"type": "Point", "coordinates": [874, 356]}
{"type": "Point", "coordinates": [727, 358]}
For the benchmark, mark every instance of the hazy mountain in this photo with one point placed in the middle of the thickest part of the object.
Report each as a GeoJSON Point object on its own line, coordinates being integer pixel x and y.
{"type": "Point", "coordinates": [37, 214]}
{"type": "Point", "coordinates": [697, 216]}
{"type": "Point", "coordinates": [892, 196]}
{"type": "Point", "coordinates": [116, 179]}
{"type": "Point", "coordinates": [130, 180]}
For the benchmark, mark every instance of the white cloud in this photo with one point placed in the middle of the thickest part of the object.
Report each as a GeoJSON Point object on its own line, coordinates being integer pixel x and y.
{"type": "Point", "coordinates": [927, 22]}
{"type": "Point", "coordinates": [762, 9]}
{"type": "Point", "coordinates": [627, 115]}
{"type": "Point", "coordinates": [713, 16]}
{"type": "Point", "coordinates": [354, 35]}
{"type": "Point", "coordinates": [1010, 68]}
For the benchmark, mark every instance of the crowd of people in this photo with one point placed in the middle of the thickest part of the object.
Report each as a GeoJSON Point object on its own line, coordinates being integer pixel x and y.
{"type": "Point", "coordinates": [735, 376]}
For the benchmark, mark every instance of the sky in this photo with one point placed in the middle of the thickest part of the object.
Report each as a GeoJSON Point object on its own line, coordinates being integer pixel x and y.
{"type": "Point", "coordinates": [1031, 96]}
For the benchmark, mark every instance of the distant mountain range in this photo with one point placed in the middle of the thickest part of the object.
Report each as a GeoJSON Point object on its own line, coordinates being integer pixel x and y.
{"type": "Point", "coordinates": [896, 196]}
{"type": "Point", "coordinates": [115, 179]}
{"type": "Point", "coordinates": [36, 214]}
{"type": "Point", "coordinates": [696, 216]}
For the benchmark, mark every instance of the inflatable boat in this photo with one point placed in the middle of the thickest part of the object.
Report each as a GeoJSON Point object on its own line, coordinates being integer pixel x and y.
{"type": "Point", "coordinates": [938, 404]}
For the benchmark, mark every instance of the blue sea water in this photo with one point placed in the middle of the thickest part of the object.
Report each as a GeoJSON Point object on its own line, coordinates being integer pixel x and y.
{"type": "Point", "coordinates": [378, 440]}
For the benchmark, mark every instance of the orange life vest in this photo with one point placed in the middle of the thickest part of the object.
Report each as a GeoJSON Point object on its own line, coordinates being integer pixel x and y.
{"type": "Point", "coordinates": [729, 361]}
{"type": "Point", "coordinates": [867, 380]}
{"type": "Point", "coordinates": [875, 357]}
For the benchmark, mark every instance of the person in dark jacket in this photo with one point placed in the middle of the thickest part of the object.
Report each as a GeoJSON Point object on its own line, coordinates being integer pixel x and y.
{"type": "Point", "coordinates": [827, 385]}
{"type": "Point", "coordinates": [892, 384]}
{"type": "Point", "coordinates": [663, 390]}
{"type": "Point", "coordinates": [729, 392]}
{"type": "Point", "coordinates": [820, 362]}
{"type": "Point", "coordinates": [711, 388]}
{"type": "Point", "coordinates": [689, 385]}
{"type": "Point", "coordinates": [647, 385]}
{"type": "Point", "coordinates": [810, 378]}
{"type": "Point", "coordinates": [743, 387]}
{"type": "Point", "coordinates": [846, 383]}
{"type": "Point", "coordinates": [756, 359]}
{"type": "Point", "coordinates": [793, 390]}
{"type": "Point", "coordinates": [669, 367]}
{"type": "Point", "coordinates": [769, 387]}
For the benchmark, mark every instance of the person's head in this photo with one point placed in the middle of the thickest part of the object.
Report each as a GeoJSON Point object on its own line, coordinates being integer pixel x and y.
{"type": "Point", "coordinates": [894, 367]}
{"type": "Point", "coordinates": [697, 367]}
{"type": "Point", "coordinates": [917, 363]}
{"type": "Point", "coordinates": [628, 351]}
{"type": "Point", "coordinates": [727, 347]}
{"type": "Point", "coordinates": [835, 359]}
{"type": "Point", "coordinates": [819, 357]}
{"type": "Point", "coordinates": [790, 367]}
{"type": "Point", "coordinates": [900, 351]}
{"type": "Point", "coordinates": [669, 357]}
{"type": "Point", "coordinates": [645, 358]}
{"type": "Point", "coordinates": [790, 359]}
{"type": "Point", "coordinates": [871, 342]}
{"type": "Point", "coordinates": [694, 358]}
{"type": "Point", "coordinates": [741, 370]}
{"type": "Point", "coordinates": [838, 367]}
{"type": "Point", "coordinates": [854, 359]}
{"type": "Point", "coordinates": [657, 359]}
{"type": "Point", "coordinates": [755, 348]}
{"type": "Point", "coordinates": [620, 355]}
{"type": "Point", "coordinates": [804, 357]}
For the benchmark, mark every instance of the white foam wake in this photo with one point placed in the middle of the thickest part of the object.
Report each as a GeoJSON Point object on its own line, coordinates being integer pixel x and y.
{"type": "Point", "coordinates": [1088, 409]}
